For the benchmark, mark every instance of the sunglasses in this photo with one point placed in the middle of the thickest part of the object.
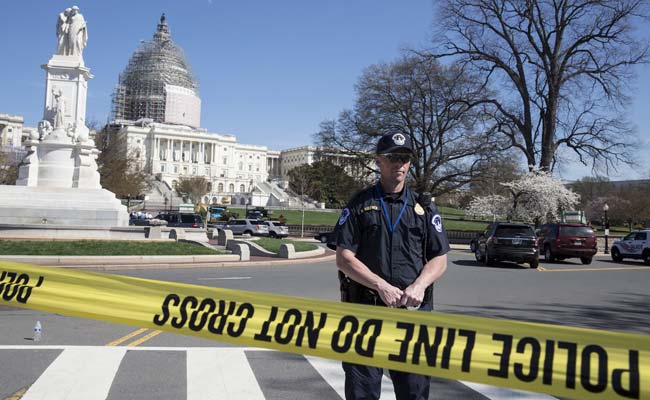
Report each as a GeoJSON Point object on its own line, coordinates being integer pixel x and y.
{"type": "Point", "coordinates": [398, 158]}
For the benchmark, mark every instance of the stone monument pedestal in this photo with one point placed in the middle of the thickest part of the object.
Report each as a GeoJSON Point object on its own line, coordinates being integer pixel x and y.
{"type": "Point", "coordinates": [58, 183]}
{"type": "Point", "coordinates": [29, 205]}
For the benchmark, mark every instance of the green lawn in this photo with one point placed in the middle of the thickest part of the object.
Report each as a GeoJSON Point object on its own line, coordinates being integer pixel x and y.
{"type": "Point", "coordinates": [330, 218]}
{"type": "Point", "coordinates": [273, 245]}
{"type": "Point", "coordinates": [294, 217]}
{"type": "Point", "coordinates": [101, 248]}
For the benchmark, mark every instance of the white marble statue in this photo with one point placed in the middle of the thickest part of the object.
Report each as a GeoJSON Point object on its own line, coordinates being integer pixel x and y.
{"type": "Point", "coordinates": [59, 109]}
{"type": "Point", "coordinates": [62, 31]}
{"type": "Point", "coordinates": [76, 35]}
{"type": "Point", "coordinates": [44, 129]}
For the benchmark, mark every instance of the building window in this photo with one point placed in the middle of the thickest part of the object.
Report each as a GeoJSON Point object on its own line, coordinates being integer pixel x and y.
{"type": "Point", "coordinates": [162, 167]}
{"type": "Point", "coordinates": [231, 188]}
{"type": "Point", "coordinates": [194, 171]}
{"type": "Point", "coordinates": [220, 188]}
{"type": "Point", "coordinates": [242, 188]}
{"type": "Point", "coordinates": [225, 160]}
{"type": "Point", "coordinates": [185, 170]}
{"type": "Point", "coordinates": [207, 172]}
{"type": "Point", "coordinates": [175, 169]}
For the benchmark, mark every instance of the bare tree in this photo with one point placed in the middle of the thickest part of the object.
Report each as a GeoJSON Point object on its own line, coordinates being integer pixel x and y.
{"type": "Point", "coordinates": [9, 165]}
{"type": "Point", "coordinates": [192, 188]}
{"type": "Point", "coordinates": [563, 69]}
{"type": "Point", "coordinates": [418, 97]}
{"type": "Point", "coordinates": [119, 170]}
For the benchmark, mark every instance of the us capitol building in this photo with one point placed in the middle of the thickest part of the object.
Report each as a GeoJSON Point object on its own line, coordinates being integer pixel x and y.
{"type": "Point", "coordinates": [157, 108]}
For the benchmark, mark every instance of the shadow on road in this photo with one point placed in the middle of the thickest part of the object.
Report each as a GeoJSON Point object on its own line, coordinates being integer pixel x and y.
{"type": "Point", "coordinates": [624, 312]}
{"type": "Point", "coordinates": [498, 264]}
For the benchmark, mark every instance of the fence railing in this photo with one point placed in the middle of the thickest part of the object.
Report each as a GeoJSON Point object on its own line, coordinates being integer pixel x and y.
{"type": "Point", "coordinates": [455, 237]}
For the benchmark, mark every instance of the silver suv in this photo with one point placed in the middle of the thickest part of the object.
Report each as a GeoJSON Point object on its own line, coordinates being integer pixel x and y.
{"type": "Point", "coordinates": [635, 245]}
{"type": "Point", "coordinates": [277, 229]}
{"type": "Point", "coordinates": [253, 227]}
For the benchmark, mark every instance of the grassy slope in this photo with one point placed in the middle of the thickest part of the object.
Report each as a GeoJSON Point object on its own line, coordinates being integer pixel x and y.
{"type": "Point", "coordinates": [273, 245]}
{"type": "Point", "coordinates": [101, 248]}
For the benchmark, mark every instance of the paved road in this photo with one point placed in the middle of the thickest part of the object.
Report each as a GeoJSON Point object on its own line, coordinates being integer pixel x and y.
{"type": "Point", "coordinates": [84, 359]}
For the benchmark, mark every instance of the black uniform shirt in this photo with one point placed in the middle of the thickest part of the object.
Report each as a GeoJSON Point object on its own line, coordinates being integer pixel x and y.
{"type": "Point", "coordinates": [398, 256]}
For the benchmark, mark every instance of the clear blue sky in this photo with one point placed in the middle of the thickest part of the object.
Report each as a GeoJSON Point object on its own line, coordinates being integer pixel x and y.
{"type": "Point", "coordinates": [269, 71]}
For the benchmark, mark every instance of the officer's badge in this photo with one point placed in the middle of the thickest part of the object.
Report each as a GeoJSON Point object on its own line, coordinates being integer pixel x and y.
{"type": "Point", "coordinates": [344, 216]}
{"type": "Point", "coordinates": [399, 139]}
{"type": "Point", "coordinates": [418, 209]}
{"type": "Point", "coordinates": [436, 221]}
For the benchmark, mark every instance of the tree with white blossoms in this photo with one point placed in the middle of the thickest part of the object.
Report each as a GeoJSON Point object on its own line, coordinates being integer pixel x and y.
{"type": "Point", "coordinates": [534, 197]}
{"type": "Point", "coordinates": [493, 206]}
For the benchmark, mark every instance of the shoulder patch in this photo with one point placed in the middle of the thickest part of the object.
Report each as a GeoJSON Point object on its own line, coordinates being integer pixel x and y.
{"type": "Point", "coordinates": [436, 221]}
{"type": "Point", "coordinates": [345, 214]}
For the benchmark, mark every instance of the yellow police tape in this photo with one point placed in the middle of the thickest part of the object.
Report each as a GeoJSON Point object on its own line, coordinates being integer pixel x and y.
{"type": "Point", "coordinates": [570, 362]}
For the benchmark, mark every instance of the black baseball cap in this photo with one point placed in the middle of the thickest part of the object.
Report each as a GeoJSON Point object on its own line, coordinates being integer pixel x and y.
{"type": "Point", "coordinates": [394, 143]}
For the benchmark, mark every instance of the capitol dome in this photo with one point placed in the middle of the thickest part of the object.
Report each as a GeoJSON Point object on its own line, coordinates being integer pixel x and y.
{"type": "Point", "coordinates": [158, 84]}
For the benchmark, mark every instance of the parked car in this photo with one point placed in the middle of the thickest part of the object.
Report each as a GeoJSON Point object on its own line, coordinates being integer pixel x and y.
{"type": "Point", "coordinates": [474, 242]}
{"type": "Point", "coordinates": [139, 221]}
{"type": "Point", "coordinates": [253, 227]}
{"type": "Point", "coordinates": [503, 241]}
{"type": "Point", "coordinates": [634, 245]}
{"type": "Point", "coordinates": [325, 237]}
{"type": "Point", "coordinates": [277, 229]}
{"type": "Point", "coordinates": [563, 240]}
{"type": "Point", "coordinates": [182, 220]}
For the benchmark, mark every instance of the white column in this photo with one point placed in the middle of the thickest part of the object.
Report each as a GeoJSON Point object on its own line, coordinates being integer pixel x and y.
{"type": "Point", "coordinates": [156, 148]}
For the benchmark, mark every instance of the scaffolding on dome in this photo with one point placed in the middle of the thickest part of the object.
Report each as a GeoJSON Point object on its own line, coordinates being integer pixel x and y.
{"type": "Point", "coordinates": [154, 68]}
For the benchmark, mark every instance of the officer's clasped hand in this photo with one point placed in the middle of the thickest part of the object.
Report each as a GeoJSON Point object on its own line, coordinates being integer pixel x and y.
{"type": "Point", "coordinates": [390, 295]}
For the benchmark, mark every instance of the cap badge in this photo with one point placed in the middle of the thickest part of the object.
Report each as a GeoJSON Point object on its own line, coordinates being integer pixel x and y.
{"type": "Point", "coordinates": [399, 139]}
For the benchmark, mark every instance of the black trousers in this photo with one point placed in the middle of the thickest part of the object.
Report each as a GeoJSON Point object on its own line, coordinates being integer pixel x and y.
{"type": "Point", "coordinates": [364, 383]}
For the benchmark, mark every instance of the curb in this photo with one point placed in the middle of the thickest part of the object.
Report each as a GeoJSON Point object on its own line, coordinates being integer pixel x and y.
{"type": "Point", "coordinates": [158, 262]}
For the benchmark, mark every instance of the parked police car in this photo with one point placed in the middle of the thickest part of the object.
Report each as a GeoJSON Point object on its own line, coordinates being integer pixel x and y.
{"type": "Point", "coordinates": [635, 245]}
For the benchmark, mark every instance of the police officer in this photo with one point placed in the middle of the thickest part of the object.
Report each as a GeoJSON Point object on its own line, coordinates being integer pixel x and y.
{"type": "Point", "coordinates": [391, 248]}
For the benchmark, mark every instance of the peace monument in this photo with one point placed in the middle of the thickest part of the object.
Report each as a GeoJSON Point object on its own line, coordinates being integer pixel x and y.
{"type": "Point", "coordinates": [58, 181]}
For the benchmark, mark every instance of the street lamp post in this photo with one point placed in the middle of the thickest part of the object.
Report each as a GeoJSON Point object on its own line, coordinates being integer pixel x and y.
{"type": "Point", "coordinates": [128, 202]}
{"type": "Point", "coordinates": [605, 209]}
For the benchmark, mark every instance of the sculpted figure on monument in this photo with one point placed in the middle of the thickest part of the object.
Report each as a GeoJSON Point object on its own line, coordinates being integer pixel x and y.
{"type": "Point", "coordinates": [59, 108]}
{"type": "Point", "coordinates": [77, 34]}
{"type": "Point", "coordinates": [44, 129]}
{"type": "Point", "coordinates": [62, 31]}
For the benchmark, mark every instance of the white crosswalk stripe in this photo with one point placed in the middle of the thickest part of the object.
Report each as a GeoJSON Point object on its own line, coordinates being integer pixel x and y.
{"type": "Point", "coordinates": [333, 374]}
{"type": "Point", "coordinates": [496, 393]}
{"type": "Point", "coordinates": [88, 373]}
{"type": "Point", "coordinates": [79, 373]}
{"type": "Point", "coordinates": [220, 374]}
